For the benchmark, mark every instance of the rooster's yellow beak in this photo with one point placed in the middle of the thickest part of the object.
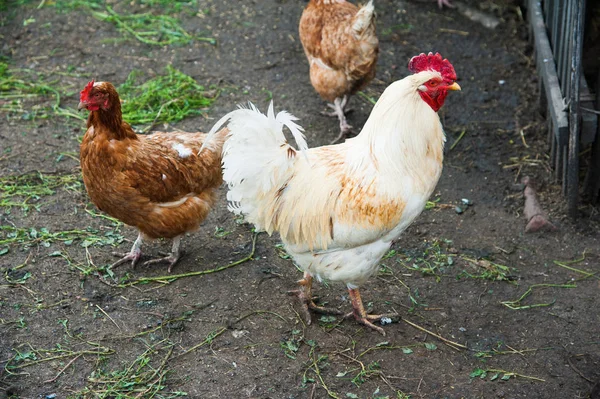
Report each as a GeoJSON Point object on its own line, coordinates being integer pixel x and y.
{"type": "Point", "coordinates": [454, 86]}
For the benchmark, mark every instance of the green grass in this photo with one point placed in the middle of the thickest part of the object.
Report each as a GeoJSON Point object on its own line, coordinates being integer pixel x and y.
{"type": "Point", "coordinates": [156, 28]}
{"type": "Point", "coordinates": [25, 191]}
{"type": "Point", "coordinates": [145, 377]}
{"type": "Point", "coordinates": [29, 236]}
{"type": "Point", "coordinates": [487, 270]}
{"type": "Point", "coordinates": [166, 98]}
{"type": "Point", "coordinates": [432, 260]}
{"type": "Point", "coordinates": [18, 86]}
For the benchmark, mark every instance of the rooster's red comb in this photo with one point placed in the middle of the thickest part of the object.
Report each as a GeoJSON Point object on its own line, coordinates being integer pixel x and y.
{"type": "Point", "coordinates": [84, 95]}
{"type": "Point", "coordinates": [429, 62]}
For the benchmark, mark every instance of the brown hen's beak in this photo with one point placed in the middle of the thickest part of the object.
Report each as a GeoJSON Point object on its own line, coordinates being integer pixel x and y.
{"type": "Point", "coordinates": [454, 86]}
{"type": "Point", "coordinates": [81, 105]}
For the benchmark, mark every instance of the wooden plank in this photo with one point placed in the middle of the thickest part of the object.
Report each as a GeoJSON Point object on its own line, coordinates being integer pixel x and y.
{"type": "Point", "coordinates": [575, 120]}
{"type": "Point", "coordinates": [546, 67]}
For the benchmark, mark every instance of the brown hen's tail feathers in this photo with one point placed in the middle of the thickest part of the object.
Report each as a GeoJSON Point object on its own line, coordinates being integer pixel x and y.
{"type": "Point", "coordinates": [363, 18]}
{"type": "Point", "coordinates": [214, 141]}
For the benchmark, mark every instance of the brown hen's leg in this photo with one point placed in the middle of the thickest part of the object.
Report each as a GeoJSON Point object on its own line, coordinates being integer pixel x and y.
{"type": "Point", "coordinates": [361, 315]}
{"type": "Point", "coordinates": [304, 294]}
{"type": "Point", "coordinates": [172, 258]}
{"type": "Point", "coordinates": [339, 106]}
{"type": "Point", "coordinates": [134, 255]}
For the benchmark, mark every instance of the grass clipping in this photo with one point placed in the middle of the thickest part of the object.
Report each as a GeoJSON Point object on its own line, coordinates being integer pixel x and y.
{"type": "Point", "coordinates": [163, 99]}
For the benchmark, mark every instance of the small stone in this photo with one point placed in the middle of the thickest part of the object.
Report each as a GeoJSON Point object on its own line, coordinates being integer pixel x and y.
{"type": "Point", "coordinates": [385, 320]}
{"type": "Point", "coordinates": [239, 333]}
{"type": "Point", "coordinates": [458, 210]}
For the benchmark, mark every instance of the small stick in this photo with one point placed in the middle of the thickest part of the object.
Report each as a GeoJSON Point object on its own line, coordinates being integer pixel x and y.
{"type": "Point", "coordinates": [447, 341]}
{"type": "Point", "coordinates": [63, 370]}
{"type": "Point", "coordinates": [110, 318]}
{"type": "Point", "coordinates": [458, 32]}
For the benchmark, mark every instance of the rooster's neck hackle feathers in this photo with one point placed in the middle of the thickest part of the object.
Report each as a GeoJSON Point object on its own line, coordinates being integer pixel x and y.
{"type": "Point", "coordinates": [401, 129]}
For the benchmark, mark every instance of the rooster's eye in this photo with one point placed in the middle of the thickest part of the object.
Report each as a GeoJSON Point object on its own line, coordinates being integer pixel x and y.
{"type": "Point", "coordinates": [433, 83]}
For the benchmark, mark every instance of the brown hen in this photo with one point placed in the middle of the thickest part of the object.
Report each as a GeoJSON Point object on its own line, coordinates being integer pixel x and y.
{"type": "Point", "coordinates": [156, 183]}
{"type": "Point", "coordinates": [341, 46]}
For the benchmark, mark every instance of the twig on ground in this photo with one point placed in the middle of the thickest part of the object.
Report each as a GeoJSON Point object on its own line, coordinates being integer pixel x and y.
{"type": "Point", "coordinates": [452, 344]}
{"type": "Point", "coordinates": [107, 315]}
{"type": "Point", "coordinates": [63, 369]}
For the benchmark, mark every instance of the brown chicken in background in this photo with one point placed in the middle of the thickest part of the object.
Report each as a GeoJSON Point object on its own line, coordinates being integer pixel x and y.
{"type": "Point", "coordinates": [156, 183]}
{"type": "Point", "coordinates": [341, 45]}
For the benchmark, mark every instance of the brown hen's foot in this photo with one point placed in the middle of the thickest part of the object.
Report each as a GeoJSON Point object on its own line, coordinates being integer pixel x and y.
{"type": "Point", "coordinates": [304, 294]}
{"type": "Point", "coordinates": [359, 313]}
{"type": "Point", "coordinates": [170, 259]}
{"type": "Point", "coordinates": [134, 255]}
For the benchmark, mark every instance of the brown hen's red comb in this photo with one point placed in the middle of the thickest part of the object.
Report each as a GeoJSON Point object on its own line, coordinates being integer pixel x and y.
{"type": "Point", "coordinates": [432, 62]}
{"type": "Point", "coordinates": [84, 95]}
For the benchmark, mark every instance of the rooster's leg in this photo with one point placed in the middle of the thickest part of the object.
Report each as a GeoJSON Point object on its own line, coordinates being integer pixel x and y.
{"type": "Point", "coordinates": [134, 255]}
{"type": "Point", "coordinates": [173, 256]}
{"type": "Point", "coordinates": [306, 301]}
{"type": "Point", "coordinates": [339, 105]}
{"type": "Point", "coordinates": [361, 315]}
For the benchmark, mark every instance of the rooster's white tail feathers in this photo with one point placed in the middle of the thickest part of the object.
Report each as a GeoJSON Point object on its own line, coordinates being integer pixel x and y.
{"type": "Point", "coordinates": [257, 160]}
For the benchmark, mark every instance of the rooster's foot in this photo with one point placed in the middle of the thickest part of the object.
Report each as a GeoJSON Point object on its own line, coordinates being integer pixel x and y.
{"type": "Point", "coordinates": [307, 304]}
{"type": "Point", "coordinates": [369, 319]}
{"type": "Point", "coordinates": [359, 313]}
{"type": "Point", "coordinates": [447, 3]}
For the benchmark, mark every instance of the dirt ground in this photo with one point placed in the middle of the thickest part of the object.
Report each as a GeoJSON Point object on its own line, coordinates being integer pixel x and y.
{"type": "Point", "coordinates": [525, 306]}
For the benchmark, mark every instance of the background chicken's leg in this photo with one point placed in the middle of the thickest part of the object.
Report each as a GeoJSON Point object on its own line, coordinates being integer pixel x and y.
{"type": "Point", "coordinates": [339, 107]}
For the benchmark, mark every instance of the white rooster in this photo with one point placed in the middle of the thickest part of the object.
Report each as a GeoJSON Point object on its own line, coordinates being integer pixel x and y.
{"type": "Point", "coordinates": [338, 208]}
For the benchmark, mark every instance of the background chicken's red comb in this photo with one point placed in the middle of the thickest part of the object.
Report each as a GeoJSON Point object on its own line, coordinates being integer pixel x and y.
{"type": "Point", "coordinates": [435, 62]}
{"type": "Point", "coordinates": [84, 94]}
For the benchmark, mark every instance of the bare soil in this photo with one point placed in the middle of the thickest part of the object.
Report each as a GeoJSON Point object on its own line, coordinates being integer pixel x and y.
{"type": "Point", "coordinates": [67, 329]}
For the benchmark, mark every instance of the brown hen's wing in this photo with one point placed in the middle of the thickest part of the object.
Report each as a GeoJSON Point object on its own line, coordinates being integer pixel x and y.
{"type": "Point", "coordinates": [165, 166]}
